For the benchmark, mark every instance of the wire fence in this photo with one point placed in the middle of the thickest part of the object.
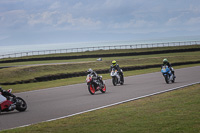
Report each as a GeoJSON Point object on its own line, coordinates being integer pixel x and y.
{"type": "Point", "coordinates": [72, 50]}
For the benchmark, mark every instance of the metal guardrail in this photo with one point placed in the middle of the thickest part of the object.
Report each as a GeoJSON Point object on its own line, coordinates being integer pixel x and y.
{"type": "Point", "coordinates": [71, 50]}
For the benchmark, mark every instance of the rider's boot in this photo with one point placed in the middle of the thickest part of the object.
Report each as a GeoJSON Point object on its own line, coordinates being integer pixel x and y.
{"type": "Point", "coordinates": [101, 85]}
{"type": "Point", "coordinates": [12, 107]}
{"type": "Point", "coordinates": [174, 74]}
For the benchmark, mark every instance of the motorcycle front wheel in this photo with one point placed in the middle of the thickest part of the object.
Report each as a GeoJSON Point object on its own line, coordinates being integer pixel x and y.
{"type": "Point", "coordinates": [91, 89]}
{"type": "Point", "coordinates": [114, 81]}
{"type": "Point", "coordinates": [167, 79]}
{"type": "Point", "coordinates": [104, 89]}
{"type": "Point", "coordinates": [173, 79]}
{"type": "Point", "coordinates": [20, 104]}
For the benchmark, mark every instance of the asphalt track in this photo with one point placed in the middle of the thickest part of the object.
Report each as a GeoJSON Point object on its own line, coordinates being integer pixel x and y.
{"type": "Point", "coordinates": [56, 102]}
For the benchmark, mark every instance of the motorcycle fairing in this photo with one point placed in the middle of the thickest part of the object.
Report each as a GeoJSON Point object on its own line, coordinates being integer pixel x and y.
{"type": "Point", "coordinates": [6, 104]}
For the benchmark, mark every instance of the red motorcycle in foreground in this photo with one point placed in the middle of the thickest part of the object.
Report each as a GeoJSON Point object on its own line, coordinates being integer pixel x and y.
{"type": "Point", "coordinates": [95, 84]}
{"type": "Point", "coordinates": [18, 102]}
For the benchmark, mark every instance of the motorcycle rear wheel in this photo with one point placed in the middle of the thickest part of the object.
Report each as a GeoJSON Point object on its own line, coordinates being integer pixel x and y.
{"type": "Point", "coordinates": [20, 104]}
{"type": "Point", "coordinates": [122, 80]}
{"type": "Point", "coordinates": [91, 89]}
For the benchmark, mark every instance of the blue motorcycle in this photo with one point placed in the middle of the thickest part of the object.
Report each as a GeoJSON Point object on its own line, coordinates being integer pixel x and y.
{"type": "Point", "coordinates": [168, 75]}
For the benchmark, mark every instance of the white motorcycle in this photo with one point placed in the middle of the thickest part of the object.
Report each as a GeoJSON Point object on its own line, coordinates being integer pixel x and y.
{"type": "Point", "coordinates": [116, 77]}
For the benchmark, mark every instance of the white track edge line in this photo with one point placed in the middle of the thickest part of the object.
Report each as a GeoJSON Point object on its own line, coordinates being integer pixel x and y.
{"type": "Point", "coordinates": [133, 99]}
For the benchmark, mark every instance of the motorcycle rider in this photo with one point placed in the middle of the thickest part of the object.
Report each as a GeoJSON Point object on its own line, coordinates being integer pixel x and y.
{"type": "Point", "coordinates": [3, 98]}
{"type": "Point", "coordinates": [116, 67]}
{"type": "Point", "coordinates": [166, 62]}
{"type": "Point", "coordinates": [95, 77]}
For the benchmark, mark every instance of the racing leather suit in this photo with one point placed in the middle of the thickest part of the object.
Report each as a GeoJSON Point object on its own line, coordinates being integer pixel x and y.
{"type": "Point", "coordinates": [170, 67]}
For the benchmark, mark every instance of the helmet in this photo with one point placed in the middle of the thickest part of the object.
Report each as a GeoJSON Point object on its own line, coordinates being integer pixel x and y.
{"type": "Point", "coordinates": [165, 61]}
{"type": "Point", "coordinates": [114, 63]}
{"type": "Point", "coordinates": [89, 71]}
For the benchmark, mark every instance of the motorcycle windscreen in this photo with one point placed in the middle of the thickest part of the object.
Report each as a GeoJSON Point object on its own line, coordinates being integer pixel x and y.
{"type": "Point", "coordinates": [2, 99]}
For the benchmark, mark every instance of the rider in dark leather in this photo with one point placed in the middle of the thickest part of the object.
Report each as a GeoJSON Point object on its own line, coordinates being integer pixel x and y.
{"type": "Point", "coordinates": [95, 77]}
{"type": "Point", "coordinates": [116, 66]}
{"type": "Point", "coordinates": [5, 93]}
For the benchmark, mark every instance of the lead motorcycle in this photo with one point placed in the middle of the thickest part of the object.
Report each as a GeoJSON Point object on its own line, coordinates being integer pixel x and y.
{"type": "Point", "coordinates": [94, 84]}
{"type": "Point", "coordinates": [116, 77]}
{"type": "Point", "coordinates": [13, 100]}
{"type": "Point", "coordinates": [168, 75]}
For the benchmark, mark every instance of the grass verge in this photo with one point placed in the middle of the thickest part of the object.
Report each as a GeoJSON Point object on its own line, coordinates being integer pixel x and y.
{"type": "Point", "coordinates": [115, 51]}
{"type": "Point", "coordinates": [175, 111]}
{"type": "Point", "coordinates": [31, 72]}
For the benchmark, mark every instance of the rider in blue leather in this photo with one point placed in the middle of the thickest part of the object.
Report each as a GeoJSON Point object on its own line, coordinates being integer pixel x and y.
{"type": "Point", "coordinates": [166, 62]}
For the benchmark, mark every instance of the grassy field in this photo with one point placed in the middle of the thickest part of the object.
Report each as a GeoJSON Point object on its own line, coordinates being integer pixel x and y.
{"type": "Point", "coordinates": [172, 112]}
{"type": "Point", "coordinates": [176, 111]}
{"type": "Point", "coordinates": [30, 72]}
{"type": "Point", "coordinates": [106, 52]}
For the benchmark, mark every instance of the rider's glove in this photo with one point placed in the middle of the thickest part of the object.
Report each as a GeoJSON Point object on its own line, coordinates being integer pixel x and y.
{"type": "Point", "coordinates": [12, 95]}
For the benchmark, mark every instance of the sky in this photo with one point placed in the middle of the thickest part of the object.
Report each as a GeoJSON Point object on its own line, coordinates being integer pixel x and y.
{"type": "Point", "coordinates": [24, 22]}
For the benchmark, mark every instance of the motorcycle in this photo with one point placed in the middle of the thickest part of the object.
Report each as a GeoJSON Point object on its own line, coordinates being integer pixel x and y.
{"type": "Point", "coordinates": [94, 84]}
{"type": "Point", "coordinates": [116, 77]}
{"type": "Point", "coordinates": [168, 75]}
{"type": "Point", "coordinates": [9, 101]}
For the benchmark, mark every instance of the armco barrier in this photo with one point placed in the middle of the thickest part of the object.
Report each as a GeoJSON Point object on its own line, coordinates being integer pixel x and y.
{"type": "Point", "coordinates": [72, 50]}
{"type": "Point", "coordinates": [78, 74]}
{"type": "Point", "coordinates": [102, 55]}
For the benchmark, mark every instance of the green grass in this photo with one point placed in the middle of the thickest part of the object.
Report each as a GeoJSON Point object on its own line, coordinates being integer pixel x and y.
{"type": "Point", "coordinates": [104, 59]}
{"type": "Point", "coordinates": [30, 72]}
{"type": "Point", "coordinates": [106, 52]}
{"type": "Point", "coordinates": [172, 112]}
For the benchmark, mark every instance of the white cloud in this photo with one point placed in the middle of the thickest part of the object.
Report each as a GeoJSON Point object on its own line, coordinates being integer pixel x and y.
{"type": "Point", "coordinates": [55, 5]}
{"type": "Point", "coordinates": [133, 24]}
{"type": "Point", "coordinates": [2, 37]}
{"type": "Point", "coordinates": [42, 18]}
{"type": "Point", "coordinates": [67, 20]}
{"type": "Point", "coordinates": [10, 1]}
{"type": "Point", "coordinates": [11, 18]}
{"type": "Point", "coordinates": [78, 5]}
{"type": "Point", "coordinates": [194, 8]}
{"type": "Point", "coordinates": [194, 21]}
{"type": "Point", "coordinates": [104, 16]}
{"type": "Point", "coordinates": [113, 3]}
{"type": "Point", "coordinates": [173, 21]}
{"type": "Point", "coordinates": [62, 21]}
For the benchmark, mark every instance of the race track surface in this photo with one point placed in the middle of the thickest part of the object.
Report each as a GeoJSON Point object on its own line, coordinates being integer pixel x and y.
{"type": "Point", "coordinates": [56, 102]}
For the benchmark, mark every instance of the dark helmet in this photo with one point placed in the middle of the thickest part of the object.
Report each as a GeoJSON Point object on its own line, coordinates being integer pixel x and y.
{"type": "Point", "coordinates": [89, 71]}
{"type": "Point", "coordinates": [165, 61]}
